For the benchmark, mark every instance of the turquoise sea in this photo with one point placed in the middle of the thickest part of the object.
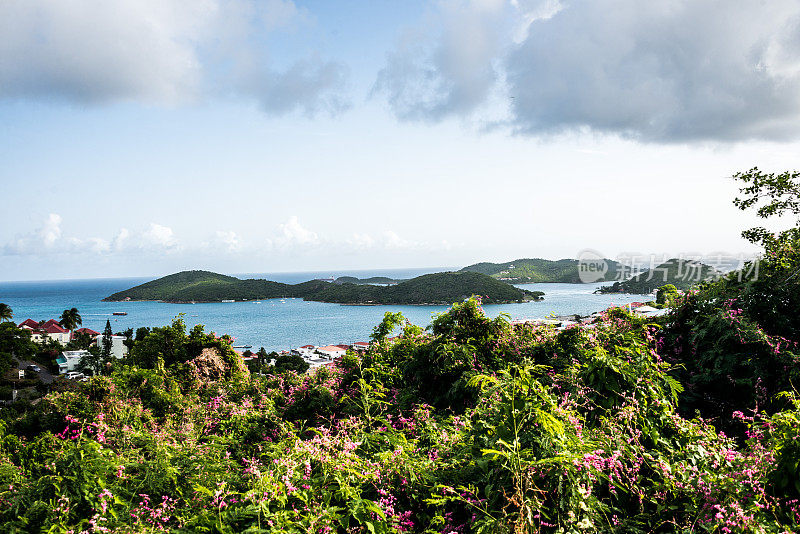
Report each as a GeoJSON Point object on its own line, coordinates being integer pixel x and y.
{"type": "Point", "coordinates": [275, 324]}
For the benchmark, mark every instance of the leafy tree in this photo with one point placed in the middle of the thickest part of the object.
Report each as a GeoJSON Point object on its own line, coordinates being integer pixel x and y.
{"type": "Point", "coordinates": [16, 340]}
{"type": "Point", "coordinates": [107, 340]}
{"type": "Point", "coordinates": [666, 294]}
{"type": "Point", "coordinates": [171, 345]}
{"type": "Point", "coordinates": [81, 340]}
{"type": "Point", "coordinates": [6, 314]}
{"type": "Point", "coordinates": [261, 361]}
{"type": "Point", "coordinates": [141, 333]}
{"type": "Point", "coordinates": [263, 357]}
{"type": "Point", "coordinates": [736, 339]}
{"type": "Point", "coordinates": [290, 362]}
{"type": "Point", "coordinates": [93, 362]}
{"type": "Point", "coordinates": [773, 195]}
{"type": "Point", "coordinates": [70, 319]}
{"type": "Point", "coordinates": [128, 341]}
{"type": "Point", "coordinates": [391, 320]}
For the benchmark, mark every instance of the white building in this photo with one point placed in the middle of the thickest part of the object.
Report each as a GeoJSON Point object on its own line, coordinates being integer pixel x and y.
{"type": "Point", "coordinates": [306, 351]}
{"type": "Point", "coordinates": [50, 329]}
{"type": "Point", "coordinates": [332, 351]}
{"type": "Point", "coordinates": [118, 348]}
{"type": "Point", "coordinates": [69, 360]}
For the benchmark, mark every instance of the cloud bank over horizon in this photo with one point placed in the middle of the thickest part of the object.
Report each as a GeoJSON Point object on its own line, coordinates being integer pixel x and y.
{"type": "Point", "coordinates": [289, 238]}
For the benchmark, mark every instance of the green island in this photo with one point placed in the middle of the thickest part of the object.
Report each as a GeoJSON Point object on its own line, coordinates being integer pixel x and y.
{"type": "Point", "coordinates": [538, 270]}
{"type": "Point", "coordinates": [683, 274]}
{"type": "Point", "coordinates": [437, 288]}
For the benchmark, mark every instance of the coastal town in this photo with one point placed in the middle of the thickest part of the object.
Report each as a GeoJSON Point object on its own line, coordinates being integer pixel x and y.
{"type": "Point", "coordinates": [70, 363]}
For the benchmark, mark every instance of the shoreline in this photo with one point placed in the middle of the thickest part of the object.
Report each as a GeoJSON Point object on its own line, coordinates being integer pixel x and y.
{"type": "Point", "coordinates": [321, 301]}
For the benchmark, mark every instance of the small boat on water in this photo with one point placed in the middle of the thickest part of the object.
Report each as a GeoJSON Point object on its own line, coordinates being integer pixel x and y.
{"type": "Point", "coordinates": [119, 313]}
{"type": "Point", "coordinates": [228, 300]}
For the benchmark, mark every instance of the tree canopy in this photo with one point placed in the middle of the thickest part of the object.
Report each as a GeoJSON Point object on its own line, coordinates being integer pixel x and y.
{"type": "Point", "coordinates": [70, 319]}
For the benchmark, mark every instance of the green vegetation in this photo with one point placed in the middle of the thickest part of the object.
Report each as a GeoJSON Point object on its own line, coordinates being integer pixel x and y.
{"type": "Point", "coordinates": [682, 274]}
{"type": "Point", "coordinates": [538, 270]}
{"type": "Point", "coordinates": [379, 280]}
{"type": "Point", "coordinates": [290, 362]}
{"type": "Point", "coordinates": [666, 295]}
{"type": "Point", "coordinates": [688, 424]}
{"type": "Point", "coordinates": [439, 288]}
{"type": "Point", "coordinates": [6, 313]}
{"type": "Point", "coordinates": [71, 319]}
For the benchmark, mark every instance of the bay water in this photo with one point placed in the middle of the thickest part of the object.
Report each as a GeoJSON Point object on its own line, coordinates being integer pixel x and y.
{"type": "Point", "coordinates": [275, 324]}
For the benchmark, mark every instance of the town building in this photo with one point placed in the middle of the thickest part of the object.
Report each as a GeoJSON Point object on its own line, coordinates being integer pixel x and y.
{"type": "Point", "coordinates": [118, 348]}
{"type": "Point", "coordinates": [306, 351]}
{"type": "Point", "coordinates": [85, 331]}
{"type": "Point", "coordinates": [49, 329]}
{"type": "Point", "coordinates": [332, 351]}
{"type": "Point", "coordinates": [70, 359]}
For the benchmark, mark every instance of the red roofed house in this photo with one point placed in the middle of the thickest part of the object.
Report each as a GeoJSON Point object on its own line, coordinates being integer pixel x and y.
{"type": "Point", "coordinates": [360, 345]}
{"type": "Point", "coordinates": [87, 331]}
{"type": "Point", "coordinates": [49, 328]}
{"type": "Point", "coordinates": [29, 324]}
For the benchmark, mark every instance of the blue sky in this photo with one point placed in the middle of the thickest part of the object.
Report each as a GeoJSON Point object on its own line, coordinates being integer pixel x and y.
{"type": "Point", "coordinates": [144, 137]}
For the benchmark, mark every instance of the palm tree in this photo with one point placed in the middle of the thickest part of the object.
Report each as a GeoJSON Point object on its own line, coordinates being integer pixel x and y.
{"type": "Point", "coordinates": [70, 319]}
{"type": "Point", "coordinates": [5, 312]}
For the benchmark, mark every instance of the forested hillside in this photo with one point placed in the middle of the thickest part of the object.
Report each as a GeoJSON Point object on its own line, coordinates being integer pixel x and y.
{"type": "Point", "coordinates": [682, 274]}
{"type": "Point", "coordinates": [539, 270]}
{"type": "Point", "coordinates": [438, 288]}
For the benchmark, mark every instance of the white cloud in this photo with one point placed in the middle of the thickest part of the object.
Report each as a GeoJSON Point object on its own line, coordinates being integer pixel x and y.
{"type": "Point", "coordinates": [120, 240]}
{"type": "Point", "coordinates": [311, 85]}
{"type": "Point", "coordinates": [158, 51]}
{"type": "Point", "coordinates": [49, 239]}
{"type": "Point", "coordinates": [660, 71]}
{"type": "Point", "coordinates": [228, 240]}
{"type": "Point", "coordinates": [51, 230]}
{"type": "Point", "coordinates": [448, 71]}
{"type": "Point", "coordinates": [393, 241]}
{"type": "Point", "coordinates": [160, 236]}
{"type": "Point", "coordinates": [294, 233]}
{"type": "Point", "coordinates": [361, 241]}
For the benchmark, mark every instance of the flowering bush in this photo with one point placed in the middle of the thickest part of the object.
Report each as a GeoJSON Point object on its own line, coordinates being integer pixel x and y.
{"type": "Point", "coordinates": [472, 426]}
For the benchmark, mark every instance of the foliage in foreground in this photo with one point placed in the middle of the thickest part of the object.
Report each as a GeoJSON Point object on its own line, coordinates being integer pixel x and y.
{"type": "Point", "coordinates": [470, 426]}
{"type": "Point", "coordinates": [474, 426]}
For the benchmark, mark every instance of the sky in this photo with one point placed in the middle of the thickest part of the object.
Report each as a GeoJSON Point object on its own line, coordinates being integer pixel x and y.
{"type": "Point", "coordinates": [144, 137]}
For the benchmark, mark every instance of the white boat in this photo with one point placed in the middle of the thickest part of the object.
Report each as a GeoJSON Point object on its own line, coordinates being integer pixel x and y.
{"type": "Point", "coordinates": [228, 300]}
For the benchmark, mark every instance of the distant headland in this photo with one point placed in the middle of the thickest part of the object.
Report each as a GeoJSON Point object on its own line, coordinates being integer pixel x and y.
{"type": "Point", "coordinates": [683, 274]}
{"type": "Point", "coordinates": [435, 289]}
{"type": "Point", "coordinates": [538, 270]}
